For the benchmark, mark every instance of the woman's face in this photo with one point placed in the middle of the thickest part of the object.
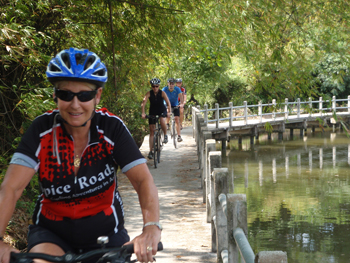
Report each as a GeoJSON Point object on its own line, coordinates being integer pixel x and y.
{"type": "Point", "coordinates": [76, 112]}
{"type": "Point", "coordinates": [155, 88]}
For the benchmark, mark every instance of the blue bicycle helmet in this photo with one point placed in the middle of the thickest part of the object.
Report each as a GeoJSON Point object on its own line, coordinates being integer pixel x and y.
{"type": "Point", "coordinates": [79, 65]}
{"type": "Point", "coordinates": [179, 80]}
{"type": "Point", "coordinates": [155, 81]}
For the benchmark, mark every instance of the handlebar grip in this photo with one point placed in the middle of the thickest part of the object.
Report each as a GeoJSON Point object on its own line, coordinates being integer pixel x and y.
{"type": "Point", "coordinates": [130, 248]}
{"type": "Point", "coordinates": [160, 246]}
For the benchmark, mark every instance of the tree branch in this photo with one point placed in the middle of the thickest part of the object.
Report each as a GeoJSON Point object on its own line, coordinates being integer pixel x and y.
{"type": "Point", "coordinates": [150, 6]}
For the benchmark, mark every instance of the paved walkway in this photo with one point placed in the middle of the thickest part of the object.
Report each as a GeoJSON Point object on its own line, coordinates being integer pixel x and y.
{"type": "Point", "coordinates": [186, 234]}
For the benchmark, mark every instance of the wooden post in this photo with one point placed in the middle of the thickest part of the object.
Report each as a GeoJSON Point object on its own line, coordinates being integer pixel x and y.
{"type": "Point", "coordinates": [260, 111]}
{"type": "Point", "coordinates": [280, 136]}
{"type": "Point", "coordinates": [245, 112]}
{"type": "Point", "coordinates": [201, 127]}
{"type": "Point", "coordinates": [236, 217]}
{"type": "Point", "coordinates": [286, 109]}
{"type": "Point", "coordinates": [298, 107]}
{"type": "Point", "coordinates": [220, 187]}
{"type": "Point", "coordinates": [274, 109]}
{"type": "Point", "coordinates": [210, 147]}
{"type": "Point", "coordinates": [271, 257]}
{"type": "Point", "coordinates": [206, 113]}
{"type": "Point", "coordinates": [206, 136]}
{"type": "Point", "coordinates": [320, 106]}
{"type": "Point", "coordinates": [223, 147]}
{"type": "Point", "coordinates": [195, 135]}
{"type": "Point", "coordinates": [310, 106]}
{"type": "Point", "coordinates": [349, 104]}
{"type": "Point", "coordinates": [217, 114]}
{"type": "Point", "coordinates": [214, 162]}
{"type": "Point", "coordinates": [334, 105]}
{"type": "Point", "coordinates": [231, 113]}
{"type": "Point", "coordinates": [193, 122]}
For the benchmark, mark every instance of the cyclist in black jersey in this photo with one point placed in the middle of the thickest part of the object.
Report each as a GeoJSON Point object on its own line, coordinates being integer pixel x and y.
{"type": "Point", "coordinates": [75, 150]}
{"type": "Point", "coordinates": [156, 98]}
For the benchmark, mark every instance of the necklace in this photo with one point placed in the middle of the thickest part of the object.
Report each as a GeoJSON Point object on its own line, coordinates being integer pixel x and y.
{"type": "Point", "coordinates": [76, 161]}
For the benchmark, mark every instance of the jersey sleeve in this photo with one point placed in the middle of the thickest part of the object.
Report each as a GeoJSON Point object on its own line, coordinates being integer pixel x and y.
{"type": "Point", "coordinates": [125, 152]}
{"type": "Point", "coordinates": [30, 143]}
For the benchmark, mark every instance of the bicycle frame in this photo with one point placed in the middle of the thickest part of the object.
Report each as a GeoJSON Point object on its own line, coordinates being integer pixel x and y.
{"type": "Point", "coordinates": [172, 128]}
{"type": "Point", "coordinates": [157, 140]}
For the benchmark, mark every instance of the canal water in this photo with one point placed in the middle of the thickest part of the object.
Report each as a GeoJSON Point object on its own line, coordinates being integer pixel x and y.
{"type": "Point", "coordinates": [298, 194]}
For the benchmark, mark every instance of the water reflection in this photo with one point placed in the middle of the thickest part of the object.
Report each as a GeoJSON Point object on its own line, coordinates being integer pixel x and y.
{"type": "Point", "coordinates": [298, 195]}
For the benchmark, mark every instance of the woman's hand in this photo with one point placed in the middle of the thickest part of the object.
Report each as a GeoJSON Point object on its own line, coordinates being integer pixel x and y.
{"type": "Point", "coordinates": [146, 244]}
{"type": "Point", "coordinates": [5, 251]}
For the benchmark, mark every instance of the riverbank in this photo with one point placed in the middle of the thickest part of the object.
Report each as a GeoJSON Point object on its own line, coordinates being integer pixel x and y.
{"type": "Point", "coordinates": [186, 235]}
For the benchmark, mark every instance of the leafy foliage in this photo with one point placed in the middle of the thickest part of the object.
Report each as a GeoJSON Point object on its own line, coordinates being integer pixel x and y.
{"type": "Point", "coordinates": [224, 50]}
{"type": "Point", "coordinates": [332, 76]}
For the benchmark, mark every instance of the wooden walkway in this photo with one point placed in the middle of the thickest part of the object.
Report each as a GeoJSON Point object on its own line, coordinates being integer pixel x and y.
{"type": "Point", "coordinates": [186, 236]}
{"type": "Point", "coordinates": [271, 124]}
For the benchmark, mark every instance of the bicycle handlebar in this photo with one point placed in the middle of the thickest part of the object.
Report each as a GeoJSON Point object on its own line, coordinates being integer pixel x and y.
{"type": "Point", "coordinates": [104, 254]}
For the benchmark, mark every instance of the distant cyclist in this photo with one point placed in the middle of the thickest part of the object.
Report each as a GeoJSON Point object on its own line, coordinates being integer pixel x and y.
{"type": "Point", "coordinates": [174, 94]}
{"type": "Point", "coordinates": [184, 94]}
{"type": "Point", "coordinates": [156, 98]}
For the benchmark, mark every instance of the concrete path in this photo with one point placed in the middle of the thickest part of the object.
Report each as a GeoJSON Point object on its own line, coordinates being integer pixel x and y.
{"type": "Point", "coordinates": [186, 234]}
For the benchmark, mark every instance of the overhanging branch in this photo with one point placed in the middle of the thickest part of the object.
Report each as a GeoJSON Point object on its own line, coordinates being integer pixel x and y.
{"type": "Point", "coordinates": [151, 6]}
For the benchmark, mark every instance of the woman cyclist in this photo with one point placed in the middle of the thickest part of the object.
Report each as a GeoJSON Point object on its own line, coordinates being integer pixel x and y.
{"type": "Point", "coordinates": [156, 98]}
{"type": "Point", "coordinates": [76, 150]}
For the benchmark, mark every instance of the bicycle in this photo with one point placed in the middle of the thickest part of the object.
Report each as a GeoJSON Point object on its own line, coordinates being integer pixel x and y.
{"type": "Point", "coordinates": [158, 138]}
{"type": "Point", "coordinates": [102, 255]}
{"type": "Point", "coordinates": [172, 128]}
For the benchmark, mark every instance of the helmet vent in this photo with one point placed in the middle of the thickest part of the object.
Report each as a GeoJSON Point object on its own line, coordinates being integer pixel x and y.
{"type": "Point", "coordinates": [90, 60]}
{"type": "Point", "coordinates": [80, 59]}
{"type": "Point", "coordinates": [54, 68]}
{"type": "Point", "coordinates": [100, 72]}
{"type": "Point", "coordinates": [65, 59]}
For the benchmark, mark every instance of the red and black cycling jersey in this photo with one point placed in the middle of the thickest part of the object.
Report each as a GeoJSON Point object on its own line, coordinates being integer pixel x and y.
{"type": "Point", "coordinates": [87, 205]}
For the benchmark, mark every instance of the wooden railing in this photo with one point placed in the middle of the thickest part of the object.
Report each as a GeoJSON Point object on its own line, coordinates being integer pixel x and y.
{"type": "Point", "coordinates": [226, 212]}
{"type": "Point", "coordinates": [243, 114]}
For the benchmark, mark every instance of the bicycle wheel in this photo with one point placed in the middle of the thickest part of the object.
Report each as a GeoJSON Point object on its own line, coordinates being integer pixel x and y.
{"type": "Point", "coordinates": [171, 127]}
{"type": "Point", "coordinates": [159, 145]}
{"type": "Point", "coordinates": [174, 134]}
{"type": "Point", "coordinates": [155, 149]}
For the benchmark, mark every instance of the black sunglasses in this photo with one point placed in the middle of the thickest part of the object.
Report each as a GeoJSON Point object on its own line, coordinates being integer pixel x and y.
{"type": "Point", "coordinates": [155, 86]}
{"type": "Point", "coordinates": [82, 96]}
